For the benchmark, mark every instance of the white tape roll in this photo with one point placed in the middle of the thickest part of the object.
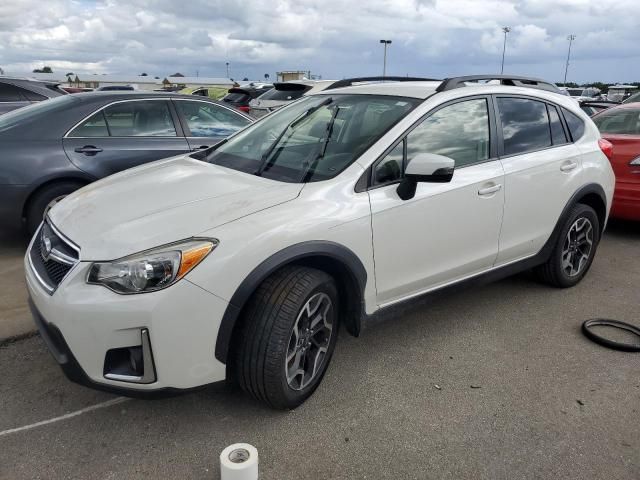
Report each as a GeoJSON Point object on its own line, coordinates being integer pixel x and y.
{"type": "Point", "coordinates": [239, 462]}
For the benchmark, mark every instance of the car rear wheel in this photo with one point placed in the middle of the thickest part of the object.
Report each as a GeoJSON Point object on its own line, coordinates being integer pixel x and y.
{"type": "Point", "coordinates": [45, 199]}
{"type": "Point", "coordinates": [574, 250]}
{"type": "Point", "coordinates": [287, 336]}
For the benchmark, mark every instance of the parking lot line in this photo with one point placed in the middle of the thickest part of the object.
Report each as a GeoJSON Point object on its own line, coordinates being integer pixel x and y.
{"type": "Point", "coordinates": [98, 406]}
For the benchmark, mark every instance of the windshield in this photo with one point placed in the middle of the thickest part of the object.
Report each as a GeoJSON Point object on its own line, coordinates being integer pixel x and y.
{"type": "Point", "coordinates": [34, 110]}
{"type": "Point", "coordinates": [237, 97]}
{"type": "Point", "coordinates": [313, 139]}
{"type": "Point", "coordinates": [575, 92]}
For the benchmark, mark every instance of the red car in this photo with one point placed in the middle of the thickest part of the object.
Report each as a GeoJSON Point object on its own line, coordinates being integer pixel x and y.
{"type": "Point", "coordinates": [621, 126]}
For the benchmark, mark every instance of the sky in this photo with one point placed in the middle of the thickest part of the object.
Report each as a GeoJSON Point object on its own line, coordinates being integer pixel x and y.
{"type": "Point", "coordinates": [331, 38]}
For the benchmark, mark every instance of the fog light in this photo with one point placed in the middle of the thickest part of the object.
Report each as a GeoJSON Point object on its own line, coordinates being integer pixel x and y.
{"type": "Point", "coordinates": [131, 364]}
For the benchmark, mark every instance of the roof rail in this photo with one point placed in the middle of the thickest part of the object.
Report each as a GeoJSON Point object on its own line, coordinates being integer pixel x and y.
{"type": "Point", "coordinates": [347, 82]}
{"type": "Point", "coordinates": [510, 80]}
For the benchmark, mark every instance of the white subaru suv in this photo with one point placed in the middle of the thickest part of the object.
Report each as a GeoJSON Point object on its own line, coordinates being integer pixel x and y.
{"type": "Point", "coordinates": [241, 262]}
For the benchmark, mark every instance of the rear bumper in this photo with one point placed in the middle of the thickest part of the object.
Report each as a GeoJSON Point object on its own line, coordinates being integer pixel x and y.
{"type": "Point", "coordinates": [626, 201]}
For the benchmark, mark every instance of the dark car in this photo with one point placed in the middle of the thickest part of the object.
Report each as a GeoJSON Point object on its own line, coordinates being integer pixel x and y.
{"type": "Point", "coordinates": [50, 149]}
{"type": "Point", "coordinates": [591, 107]}
{"type": "Point", "coordinates": [239, 97]}
{"type": "Point", "coordinates": [20, 92]}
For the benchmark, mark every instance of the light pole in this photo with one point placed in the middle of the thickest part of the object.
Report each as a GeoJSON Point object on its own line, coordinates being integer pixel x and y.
{"type": "Point", "coordinates": [384, 65]}
{"type": "Point", "coordinates": [227, 64]}
{"type": "Point", "coordinates": [571, 38]}
{"type": "Point", "coordinates": [504, 47]}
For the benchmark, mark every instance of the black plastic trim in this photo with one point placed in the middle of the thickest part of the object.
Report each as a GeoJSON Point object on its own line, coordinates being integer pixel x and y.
{"type": "Point", "coordinates": [510, 80]}
{"type": "Point", "coordinates": [347, 82]}
{"type": "Point", "coordinates": [274, 262]}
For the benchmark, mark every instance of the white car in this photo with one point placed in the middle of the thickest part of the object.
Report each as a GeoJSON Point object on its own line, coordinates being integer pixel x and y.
{"type": "Point", "coordinates": [244, 261]}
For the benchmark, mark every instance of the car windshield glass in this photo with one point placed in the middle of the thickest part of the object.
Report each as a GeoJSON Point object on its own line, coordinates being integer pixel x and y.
{"type": "Point", "coordinates": [575, 92]}
{"type": "Point", "coordinates": [13, 118]}
{"type": "Point", "coordinates": [618, 121]}
{"type": "Point", "coordinates": [236, 97]}
{"type": "Point", "coordinates": [286, 92]}
{"type": "Point", "coordinates": [313, 139]}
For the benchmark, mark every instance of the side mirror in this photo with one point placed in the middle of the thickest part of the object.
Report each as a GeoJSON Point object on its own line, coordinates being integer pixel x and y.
{"type": "Point", "coordinates": [425, 167]}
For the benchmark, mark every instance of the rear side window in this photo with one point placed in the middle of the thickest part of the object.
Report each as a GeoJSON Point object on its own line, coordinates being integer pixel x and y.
{"type": "Point", "coordinates": [129, 119]}
{"type": "Point", "coordinates": [286, 92]}
{"type": "Point", "coordinates": [575, 124]}
{"type": "Point", "coordinates": [525, 125]}
{"type": "Point", "coordinates": [10, 93]}
{"type": "Point", "coordinates": [558, 137]}
{"type": "Point", "coordinates": [140, 119]}
{"type": "Point", "coordinates": [32, 96]}
{"type": "Point", "coordinates": [208, 120]}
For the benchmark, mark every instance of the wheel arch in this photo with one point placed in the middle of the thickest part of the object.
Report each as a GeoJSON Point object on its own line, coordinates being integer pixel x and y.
{"type": "Point", "coordinates": [85, 180]}
{"type": "Point", "coordinates": [335, 259]}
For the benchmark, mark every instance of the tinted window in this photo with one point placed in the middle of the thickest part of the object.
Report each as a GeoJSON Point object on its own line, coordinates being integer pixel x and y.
{"type": "Point", "coordinates": [95, 126]}
{"type": "Point", "coordinates": [140, 119]}
{"type": "Point", "coordinates": [32, 96]}
{"type": "Point", "coordinates": [9, 93]}
{"type": "Point", "coordinates": [208, 120]}
{"type": "Point", "coordinates": [575, 124]}
{"type": "Point", "coordinates": [459, 131]}
{"type": "Point", "coordinates": [313, 139]}
{"type": "Point", "coordinates": [237, 97]}
{"type": "Point", "coordinates": [34, 112]}
{"type": "Point", "coordinates": [624, 121]}
{"type": "Point", "coordinates": [525, 125]}
{"type": "Point", "coordinates": [390, 168]}
{"type": "Point", "coordinates": [557, 132]}
{"type": "Point", "coordinates": [285, 92]}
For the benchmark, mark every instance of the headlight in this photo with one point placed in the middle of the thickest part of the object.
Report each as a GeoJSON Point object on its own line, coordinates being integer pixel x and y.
{"type": "Point", "coordinates": [153, 269]}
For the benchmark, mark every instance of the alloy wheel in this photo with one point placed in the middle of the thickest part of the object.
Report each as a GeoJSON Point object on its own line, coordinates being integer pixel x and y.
{"type": "Point", "coordinates": [577, 247]}
{"type": "Point", "coordinates": [309, 341]}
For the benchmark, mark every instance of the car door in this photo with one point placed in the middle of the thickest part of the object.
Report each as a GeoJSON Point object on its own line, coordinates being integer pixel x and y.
{"type": "Point", "coordinates": [542, 170]}
{"type": "Point", "coordinates": [207, 123]}
{"type": "Point", "coordinates": [125, 134]}
{"type": "Point", "coordinates": [447, 231]}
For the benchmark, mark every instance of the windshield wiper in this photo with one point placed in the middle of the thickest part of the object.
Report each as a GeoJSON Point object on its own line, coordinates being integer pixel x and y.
{"type": "Point", "coordinates": [263, 160]}
{"type": "Point", "coordinates": [323, 148]}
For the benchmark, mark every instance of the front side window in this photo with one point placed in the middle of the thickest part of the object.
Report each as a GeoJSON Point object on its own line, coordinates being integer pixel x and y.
{"type": "Point", "coordinates": [459, 131]}
{"type": "Point", "coordinates": [525, 125]}
{"type": "Point", "coordinates": [314, 138]}
{"type": "Point", "coordinates": [208, 120]}
{"type": "Point", "coordinates": [391, 167]}
{"type": "Point", "coordinates": [621, 122]}
{"type": "Point", "coordinates": [140, 119]}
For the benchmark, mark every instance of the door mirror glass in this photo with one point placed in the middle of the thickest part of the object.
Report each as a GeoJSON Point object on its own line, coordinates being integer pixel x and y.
{"type": "Point", "coordinates": [429, 167]}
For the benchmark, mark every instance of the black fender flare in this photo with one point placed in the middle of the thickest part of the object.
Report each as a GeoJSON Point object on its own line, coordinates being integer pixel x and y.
{"type": "Point", "coordinates": [294, 253]}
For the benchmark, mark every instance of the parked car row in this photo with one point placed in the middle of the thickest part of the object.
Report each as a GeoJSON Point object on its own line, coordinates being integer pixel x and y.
{"type": "Point", "coordinates": [243, 260]}
{"type": "Point", "coordinates": [19, 92]}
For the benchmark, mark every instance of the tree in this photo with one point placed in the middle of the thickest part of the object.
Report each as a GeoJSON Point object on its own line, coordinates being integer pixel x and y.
{"type": "Point", "coordinates": [44, 69]}
{"type": "Point", "coordinates": [245, 79]}
{"type": "Point", "coordinates": [177, 74]}
{"type": "Point", "coordinates": [69, 74]}
{"type": "Point", "coordinates": [266, 76]}
{"type": "Point", "coordinates": [143, 75]}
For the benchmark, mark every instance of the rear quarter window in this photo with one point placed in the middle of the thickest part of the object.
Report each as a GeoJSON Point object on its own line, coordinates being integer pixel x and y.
{"type": "Point", "coordinates": [575, 124]}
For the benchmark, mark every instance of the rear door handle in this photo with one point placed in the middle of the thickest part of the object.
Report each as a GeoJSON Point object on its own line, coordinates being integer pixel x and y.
{"type": "Point", "coordinates": [567, 167]}
{"type": "Point", "coordinates": [489, 190]}
{"type": "Point", "coordinates": [88, 150]}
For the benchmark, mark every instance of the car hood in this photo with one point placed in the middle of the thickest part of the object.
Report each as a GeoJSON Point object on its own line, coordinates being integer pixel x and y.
{"type": "Point", "coordinates": [160, 203]}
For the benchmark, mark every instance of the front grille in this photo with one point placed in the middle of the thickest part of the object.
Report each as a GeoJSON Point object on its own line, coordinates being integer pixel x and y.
{"type": "Point", "coordinates": [52, 256]}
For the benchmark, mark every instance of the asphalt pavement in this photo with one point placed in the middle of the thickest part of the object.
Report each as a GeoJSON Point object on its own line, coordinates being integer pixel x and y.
{"type": "Point", "coordinates": [496, 382]}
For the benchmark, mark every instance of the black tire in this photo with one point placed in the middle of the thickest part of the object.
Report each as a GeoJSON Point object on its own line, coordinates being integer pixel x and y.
{"type": "Point", "coordinates": [552, 272]}
{"type": "Point", "coordinates": [38, 203]}
{"type": "Point", "coordinates": [261, 343]}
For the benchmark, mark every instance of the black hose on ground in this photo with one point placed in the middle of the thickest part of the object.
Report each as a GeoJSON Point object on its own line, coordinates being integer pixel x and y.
{"type": "Point", "coordinates": [605, 322]}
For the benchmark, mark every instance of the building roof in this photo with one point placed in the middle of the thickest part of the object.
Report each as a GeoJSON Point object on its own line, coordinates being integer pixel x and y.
{"type": "Point", "coordinates": [201, 80]}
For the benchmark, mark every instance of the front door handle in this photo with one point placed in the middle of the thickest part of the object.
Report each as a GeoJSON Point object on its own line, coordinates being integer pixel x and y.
{"type": "Point", "coordinates": [88, 150]}
{"type": "Point", "coordinates": [567, 167]}
{"type": "Point", "coordinates": [483, 192]}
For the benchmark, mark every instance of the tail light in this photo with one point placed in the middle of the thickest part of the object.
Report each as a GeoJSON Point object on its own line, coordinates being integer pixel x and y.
{"type": "Point", "coordinates": [606, 147]}
{"type": "Point", "coordinates": [635, 162]}
{"type": "Point", "coordinates": [244, 109]}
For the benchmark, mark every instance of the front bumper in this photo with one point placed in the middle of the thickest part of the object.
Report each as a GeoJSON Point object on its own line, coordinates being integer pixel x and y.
{"type": "Point", "coordinates": [80, 323]}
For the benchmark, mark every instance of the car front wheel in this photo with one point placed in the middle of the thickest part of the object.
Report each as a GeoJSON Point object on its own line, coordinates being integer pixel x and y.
{"type": "Point", "coordinates": [287, 336]}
